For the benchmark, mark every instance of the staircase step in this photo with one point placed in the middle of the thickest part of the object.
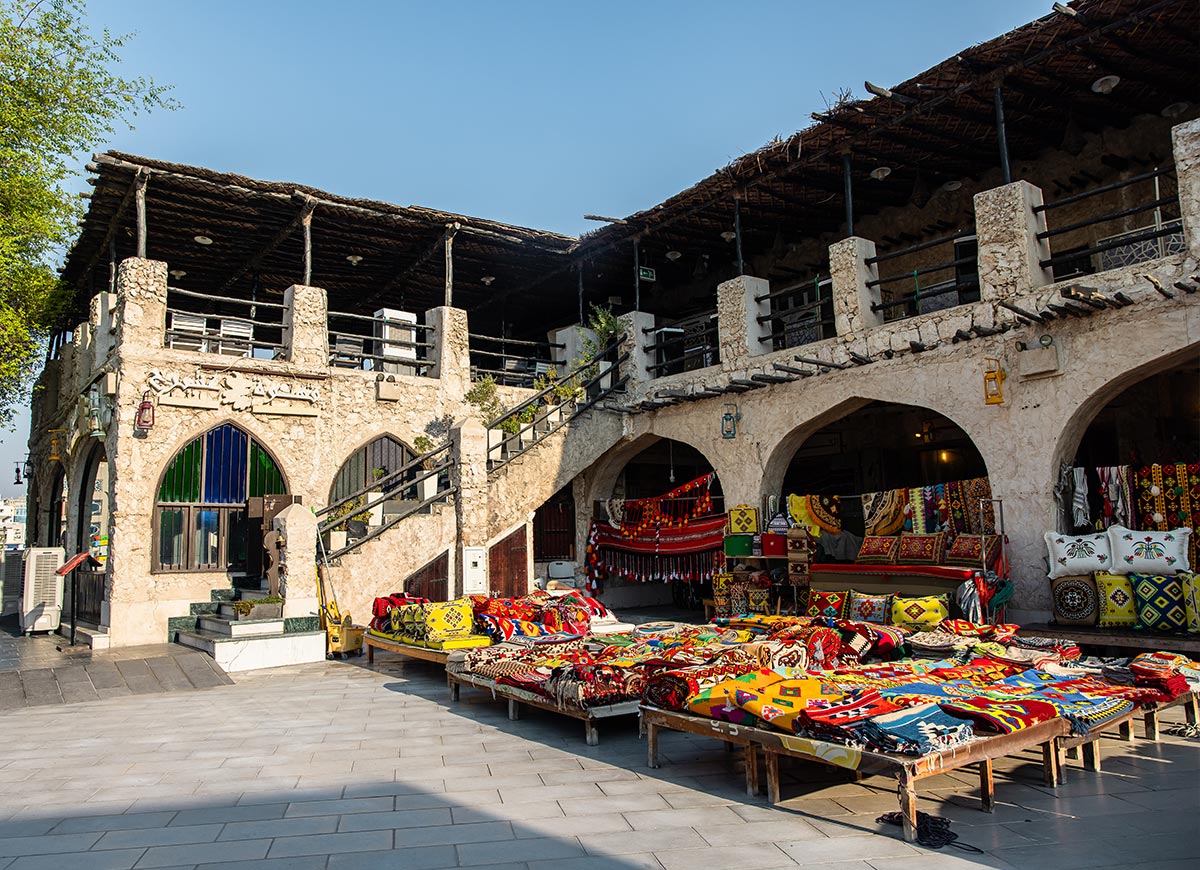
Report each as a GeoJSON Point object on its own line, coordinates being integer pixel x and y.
{"type": "Point", "coordinates": [202, 607]}
{"type": "Point", "coordinates": [223, 594]}
{"type": "Point", "coordinates": [260, 651]}
{"type": "Point", "coordinates": [228, 627]}
{"type": "Point", "coordinates": [247, 582]}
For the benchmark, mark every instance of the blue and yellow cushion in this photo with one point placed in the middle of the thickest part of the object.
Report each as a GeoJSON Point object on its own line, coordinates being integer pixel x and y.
{"type": "Point", "coordinates": [1191, 601]}
{"type": "Point", "coordinates": [1159, 602]}
{"type": "Point", "coordinates": [868, 608]}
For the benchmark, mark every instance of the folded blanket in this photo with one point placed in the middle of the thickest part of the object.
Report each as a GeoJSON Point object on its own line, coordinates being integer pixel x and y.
{"type": "Point", "coordinates": [1003, 717]}
{"type": "Point", "coordinates": [916, 731]}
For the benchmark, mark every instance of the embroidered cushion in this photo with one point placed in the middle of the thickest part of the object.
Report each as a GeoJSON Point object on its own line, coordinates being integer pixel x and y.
{"type": "Point", "coordinates": [412, 620]}
{"type": "Point", "coordinates": [1159, 602]}
{"type": "Point", "coordinates": [447, 619]}
{"type": "Point", "coordinates": [922, 549]}
{"type": "Point", "coordinates": [1191, 601]}
{"type": "Point", "coordinates": [879, 549]}
{"type": "Point", "coordinates": [1075, 600]}
{"type": "Point", "coordinates": [1149, 552]}
{"type": "Point", "coordinates": [868, 608]}
{"type": "Point", "coordinates": [830, 604]}
{"type": "Point", "coordinates": [1117, 609]}
{"type": "Point", "coordinates": [969, 551]}
{"type": "Point", "coordinates": [1078, 554]}
{"type": "Point", "coordinates": [920, 614]}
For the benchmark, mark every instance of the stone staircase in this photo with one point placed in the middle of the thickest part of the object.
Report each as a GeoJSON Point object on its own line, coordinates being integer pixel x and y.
{"type": "Point", "coordinates": [246, 644]}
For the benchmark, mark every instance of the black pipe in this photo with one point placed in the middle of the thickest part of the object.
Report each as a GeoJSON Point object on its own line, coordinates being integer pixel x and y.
{"type": "Point", "coordinates": [737, 233]}
{"type": "Point", "coordinates": [849, 195]}
{"type": "Point", "coordinates": [1002, 136]}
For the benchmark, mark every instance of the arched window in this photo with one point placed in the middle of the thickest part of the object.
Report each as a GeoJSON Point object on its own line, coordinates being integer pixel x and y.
{"type": "Point", "coordinates": [200, 518]}
{"type": "Point", "coordinates": [370, 463]}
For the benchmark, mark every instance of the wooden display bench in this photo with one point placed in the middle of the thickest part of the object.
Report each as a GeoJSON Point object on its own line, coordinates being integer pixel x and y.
{"type": "Point", "coordinates": [374, 642]}
{"type": "Point", "coordinates": [1143, 641]}
{"type": "Point", "coordinates": [908, 770]}
{"type": "Point", "coordinates": [516, 697]}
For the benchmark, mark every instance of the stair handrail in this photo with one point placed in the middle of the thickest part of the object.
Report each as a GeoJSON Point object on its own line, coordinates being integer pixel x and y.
{"type": "Point", "coordinates": [386, 479]}
{"type": "Point", "coordinates": [595, 359]}
{"type": "Point", "coordinates": [375, 532]}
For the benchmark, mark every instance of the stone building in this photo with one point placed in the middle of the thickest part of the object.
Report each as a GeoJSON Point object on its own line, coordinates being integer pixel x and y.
{"type": "Point", "coordinates": [1027, 210]}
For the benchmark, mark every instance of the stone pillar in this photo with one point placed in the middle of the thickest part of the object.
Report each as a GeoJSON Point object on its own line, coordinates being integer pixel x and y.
{"type": "Point", "coordinates": [306, 326]}
{"type": "Point", "coordinates": [1009, 250]}
{"type": "Point", "coordinates": [572, 352]}
{"type": "Point", "coordinates": [636, 340]}
{"type": "Point", "coordinates": [469, 444]}
{"type": "Point", "coordinates": [852, 298]}
{"type": "Point", "coordinates": [297, 526]}
{"type": "Point", "coordinates": [141, 303]}
{"type": "Point", "coordinates": [451, 351]}
{"type": "Point", "coordinates": [1186, 142]}
{"type": "Point", "coordinates": [739, 333]}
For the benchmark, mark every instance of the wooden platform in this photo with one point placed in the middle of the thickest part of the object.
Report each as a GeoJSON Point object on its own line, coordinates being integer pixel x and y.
{"type": "Point", "coordinates": [374, 642]}
{"type": "Point", "coordinates": [516, 697]}
{"type": "Point", "coordinates": [908, 770]}
{"type": "Point", "coordinates": [1144, 641]}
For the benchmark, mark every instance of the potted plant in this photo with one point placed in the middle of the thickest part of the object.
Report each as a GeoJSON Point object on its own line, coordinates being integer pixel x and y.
{"type": "Point", "coordinates": [427, 488]}
{"type": "Point", "coordinates": [374, 514]}
{"type": "Point", "coordinates": [270, 607]}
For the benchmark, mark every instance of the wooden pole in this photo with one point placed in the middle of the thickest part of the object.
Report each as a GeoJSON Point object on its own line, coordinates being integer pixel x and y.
{"type": "Point", "coordinates": [580, 271]}
{"type": "Point", "coordinates": [1002, 135]}
{"type": "Point", "coordinates": [112, 265]}
{"type": "Point", "coordinates": [737, 233]}
{"type": "Point", "coordinates": [140, 199]}
{"type": "Point", "coordinates": [307, 224]}
{"type": "Point", "coordinates": [849, 194]}
{"type": "Point", "coordinates": [449, 247]}
{"type": "Point", "coordinates": [637, 275]}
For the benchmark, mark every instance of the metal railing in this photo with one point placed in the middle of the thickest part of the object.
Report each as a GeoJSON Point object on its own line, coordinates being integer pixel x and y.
{"type": "Point", "coordinates": [801, 313]}
{"type": "Point", "coordinates": [964, 285]}
{"type": "Point", "coordinates": [379, 344]}
{"type": "Point", "coordinates": [510, 362]}
{"type": "Point", "coordinates": [683, 345]}
{"type": "Point", "coordinates": [1163, 236]}
{"type": "Point", "coordinates": [223, 325]}
{"type": "Point", "coordinates": [546, 411]}
{"type": "Point", "coordinates": [402, 485]}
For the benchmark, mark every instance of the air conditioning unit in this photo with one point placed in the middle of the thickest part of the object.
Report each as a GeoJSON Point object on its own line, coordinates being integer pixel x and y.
{"type": "Point", "coordinates": [12, 577]}
{"type": "Point", "coordinates": [386, 333]}
{"type": "Point", "coordinates": [42, 598]}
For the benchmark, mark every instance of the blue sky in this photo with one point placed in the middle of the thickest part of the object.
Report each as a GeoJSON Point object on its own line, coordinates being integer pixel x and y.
{"type": "Point", "coordinates": [530, 113]}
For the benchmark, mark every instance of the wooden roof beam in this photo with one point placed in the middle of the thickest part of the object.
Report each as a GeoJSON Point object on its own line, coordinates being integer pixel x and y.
{"type": "Point", "coordinates": [303, 214]}
{"type": "Point", "coordinates": [114, 222]}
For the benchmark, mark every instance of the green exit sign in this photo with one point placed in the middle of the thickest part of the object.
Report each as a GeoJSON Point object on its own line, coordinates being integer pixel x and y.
{"type": "Point", "coordinates": [645, 273]}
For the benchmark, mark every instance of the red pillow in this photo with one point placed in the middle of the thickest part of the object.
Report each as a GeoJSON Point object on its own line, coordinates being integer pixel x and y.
{"type": "Point", "coordinates": [922, 549]}
{"type": "Point", "coordinates": [830, 604]}
{"type": "Point", "coordinates": [968, 550]}
{"type": "Point", "coordinates": [879, 550]}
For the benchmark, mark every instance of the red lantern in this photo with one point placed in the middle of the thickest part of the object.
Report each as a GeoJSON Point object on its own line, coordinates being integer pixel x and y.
{"type": "Point", "coordinates": [145, 413]}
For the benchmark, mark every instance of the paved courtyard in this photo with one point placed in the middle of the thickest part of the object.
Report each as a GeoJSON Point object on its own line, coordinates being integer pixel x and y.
{"type": "Point", "coordinates": [338, 766]}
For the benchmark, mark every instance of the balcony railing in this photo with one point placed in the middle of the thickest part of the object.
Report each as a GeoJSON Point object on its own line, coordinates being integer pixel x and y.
{"type": "Point", "coordinates": [801, 313]}
{"type": "Point", "coordinates": [396, 344]}
{"type": "Point", "coordinates": [223, 325]}
{"type": "Point", "coordinates": [1118, 245]}
{"type": "Point", "coordinates": [510, 362]}
{"type": "Point", "coordinates": [911, 299]}
{"type": "Point", "coordinates": [683, 345]}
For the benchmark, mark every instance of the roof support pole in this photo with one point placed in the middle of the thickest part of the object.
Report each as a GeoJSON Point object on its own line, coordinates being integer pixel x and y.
{"type": "Point", "coordinates": [579, 270]}
{"type": "Point", "coordinates": [448, 247]}
{"type": "Point", "coordinates": [737, 233]}
{"type": "Point", "coordinates": [849, 194]}
{"type": "Point", "coordinates": [112, 265]}
{"type": "Point", "coordinates": [637, 274]}
{"type": "Point", "coordinates": [140, 201]}
{"type": "Point", "coordinates": [307, 224]}
{"type": "Point", "coordinates": [1002, 135]}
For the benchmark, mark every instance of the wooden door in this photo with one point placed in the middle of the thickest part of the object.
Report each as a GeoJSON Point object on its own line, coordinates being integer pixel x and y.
{"type": "Point", "coordinates": [432, 580]}
{"type": "Point", "coordinates": [508, 571]}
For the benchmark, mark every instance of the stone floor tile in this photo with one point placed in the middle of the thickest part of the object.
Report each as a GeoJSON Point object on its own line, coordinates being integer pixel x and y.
{"type": "Point", "coordinates": [532, 849]}
{"type": "Point", "coordinates": [846, 849]}
{"type": "Point", "coordinates": [625, 803]}
{"type": "Point", "coordinates": [11, 847]}
{"type": "Point", "coordinates": [423, 818]}
{"type": "Point", "coordinates": [341, 806]}
{"type": "Point", "coordinates": [116, 859]}
{"type": "Point", "coordinates": [419, 858]}
{"type": "Point", "coordinates": [327, 844]}
{"type": "Point", "coordinates": [786, 829]}
{"type": "Point", "coordinates": [623, 842]}
{"type": "Point", "coordinates": [162, 836]}
{"type": "Point", "coordinates": [280, 828]}
{"type": "Point", "coordinates": [222, 814]}
{"type": "Point", "coordinates": [756, 855]}
{"type": "Point", "coordinates": [638, 861]}
{"type": "Point", "coordinates": [203, 853]}
{"type": "Point", "coordinates": [450, 835]}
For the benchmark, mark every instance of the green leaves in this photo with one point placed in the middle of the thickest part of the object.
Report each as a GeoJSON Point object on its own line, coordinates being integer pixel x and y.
{"type": "Point", "coordinates": [59, 99]}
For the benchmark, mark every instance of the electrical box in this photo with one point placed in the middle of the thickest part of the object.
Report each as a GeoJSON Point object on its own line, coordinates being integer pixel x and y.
{"type": "Point", "coordinates": [475, 571]}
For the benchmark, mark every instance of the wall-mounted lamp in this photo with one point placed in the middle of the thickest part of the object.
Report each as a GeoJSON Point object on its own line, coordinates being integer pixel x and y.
{"type": "Point", "coordinates": [729, 421]}
{"type": "Point", "coordinates": [145, 413]}
{"type": "Point", "coordinates": [28, 468]}
{"type": "Point", "coordinates": [99, 413]}
{"type": "Point", "coordinates": [17, 479]}
{"type": "Point", "coordinates": [54, 448]}
{"type": "Point", "coordinates": [993, 381]}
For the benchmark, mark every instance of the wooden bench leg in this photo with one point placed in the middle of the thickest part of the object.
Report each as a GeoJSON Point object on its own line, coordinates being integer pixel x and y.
{"type": "Point", "coordinates": [773, 778]}
{"type": "Point", "coordinates": [370, 654]}
{"type": "Point", "coordinates": [1051, 764]}
{"type": "Point", "coordinates": [1091, 755]}
{"type": "Point", "coordinates": [728, 745]}
{"type": "Point", "coordinates": [907, 791]}
{"type": "Point", "coordinates": [1125, 729]}
{"type": "Point", "coordinates": [987, 786]}
{"type": "Point", "coordinates": [1191, 709]}
{"type": "Point", "coordinates": [455, 688]}
{"type": "Point", "coordinates": [1072, 753]}
{"type": "Point", "coordinates": [1152, 724]}
{"type": "Point", "coordinates": [590, 733]}
{"type": "Point", "coordinates": [651, 745]}
{"type": "Point", "coordinates": [751, 756]}
{"type": "Point", "coordinates": [514, 710]}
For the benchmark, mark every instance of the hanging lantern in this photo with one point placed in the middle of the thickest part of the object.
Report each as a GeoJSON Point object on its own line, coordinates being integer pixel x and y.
{"type": "Point", "coordinates": [993, 381]}
{"type": "Point", "coordinates": [54, 455]}
{"type": "Point", "coordinates": [145, 413]}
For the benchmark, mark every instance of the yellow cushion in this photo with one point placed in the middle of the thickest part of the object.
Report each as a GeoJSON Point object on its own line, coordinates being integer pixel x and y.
{"type": "Point", "coordinates": [1117, 606]}
{"type": "Point", "coordinates": [920, 614]}
{"type": "Point", "coordinates": [468, 642]}
{"type": "Point", "coordinates": [448, 619]}
{"type": "Point", "coordinates": [1191, 600]}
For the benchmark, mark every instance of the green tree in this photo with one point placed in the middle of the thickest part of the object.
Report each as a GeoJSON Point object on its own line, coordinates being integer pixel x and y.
{"type": "Point", "coordinates": [60, 97]}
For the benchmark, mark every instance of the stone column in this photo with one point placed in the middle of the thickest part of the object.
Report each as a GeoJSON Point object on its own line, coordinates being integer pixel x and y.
{"type": "Point", "coordinates": [306, 326]}
{"type": "Point", "coordinates": [852, 298]}
{"type": "Point", "coordinates": [451, 351]}
{"type": "Point", "coordinates": [1009, 250]}
{"type": "Point", "coordinates": [739, 333]}
{"type": "Point", "coordinates": [469, 444]}
{"type": "Point", "coordinates": [141, 303]}
{"type": "Point", "coordinates": [1186, 143]}
{"type": "Point", "coordinates": [636, 340]}
{"type": "Point", "coordinates": [297, 526]}
{"type": "Point", "coordinates": [572, 339]}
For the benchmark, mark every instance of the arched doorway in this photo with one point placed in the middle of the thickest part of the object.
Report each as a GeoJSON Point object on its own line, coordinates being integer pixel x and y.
{"type": "Point", "coordinates": [92, 536]}
{"type": "Point", "coordinates": [200, 519]}
{"type": "Point", "coordinates": [361, 483]}
{"type": "Point", "coordinates": [369, 463]}
{"type": "Point", "coordinates": [886, 448]}
{"type": "Point", "coordinates": [56, 513]}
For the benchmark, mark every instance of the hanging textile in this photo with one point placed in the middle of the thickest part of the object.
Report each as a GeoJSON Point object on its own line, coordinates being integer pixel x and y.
{"type": "Point", "coordinates": [1062, 495]}
{"type": "Point", "coordinates": [692, 553]}
{"type": "Point", "coordinates": [883, 512]}
{"type": "Point", "coordinates": [916, 521]}
{"type": "Point", "coordinates": [953, 509]}
{"type": "Point", "coordinates": [1081, 516]}
{"type": "Point", "coordinates": [1168, 497]}
{"type": "Point", "coordinates": [673, 510]}
{"type": "Point", "coordinates": [977, 494]}
{"type": "Point", "coordinates": [817, 513]}
{"type": "Point", "coordinates": [1116, 495]}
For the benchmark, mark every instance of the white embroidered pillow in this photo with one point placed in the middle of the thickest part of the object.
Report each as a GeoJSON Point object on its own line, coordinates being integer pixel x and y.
{"type": "Point", "coordinates": [1162, 553]}
{"type": "Point", "coordinates": [1078, 554]}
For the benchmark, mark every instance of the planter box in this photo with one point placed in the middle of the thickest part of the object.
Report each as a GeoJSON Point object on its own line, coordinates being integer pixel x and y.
{"type": "Point", "coordinates": [262, 611]}
{"type": "Point", "coordinates": [334, 540]}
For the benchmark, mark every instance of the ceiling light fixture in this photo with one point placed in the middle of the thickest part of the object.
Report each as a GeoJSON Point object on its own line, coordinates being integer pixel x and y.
{"type": "Point", "coordinates": [729, 235]}
{"type": "Point", "coordinates": [879, 173]}
{"type": "Point", "coordinates": [487, 280]}
{"type": "Point", "coordinates": [1174, 110]}
{"type": "Point", "coordinates": [1105, 84]}
{"type": "Point", "coordinates": [952, 184]}
{"type": "Point", "coordinates": [353, 259]}
{"type": "Point", "coordinates": [178, 273]}
{"type": "Point", "coordinates": [673, 255]}
{"type": "Point", "coordinates": [202, 240]}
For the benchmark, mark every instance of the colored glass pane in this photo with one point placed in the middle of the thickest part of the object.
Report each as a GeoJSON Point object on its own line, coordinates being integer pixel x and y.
{"type": "Point", "coordinates": [181, 483]}
{"type": "Point", "coordinates": [225, 457]}
{"type": "Point", "coordinates": [265, 478]}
